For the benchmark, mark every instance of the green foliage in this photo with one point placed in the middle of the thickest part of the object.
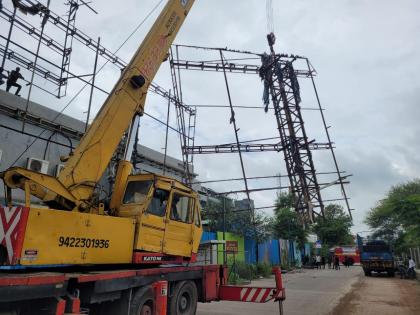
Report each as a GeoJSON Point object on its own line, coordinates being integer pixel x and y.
{"type": "Point", "coordinates": [241, 272]}
{"type": "Point", "coordinates": [396, 218]}
{"type": "Point", "coordinates": [325, 250]}
{"type": "Point", "coordinates": [244, 270]}
{"type": "Point", "coordinates": [286, 223]}
{"type": "Point", "coordinates": [237, 222]}
{"type": "Point", "coordinates": [264, 269]}
{"type": "Point", "coordinates": [233, 278]}
{"type": "Point", "coordinates": [334, 228]}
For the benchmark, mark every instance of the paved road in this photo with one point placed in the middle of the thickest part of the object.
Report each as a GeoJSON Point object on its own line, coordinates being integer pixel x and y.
{"type": "Point", "coordinates": [308, 292]}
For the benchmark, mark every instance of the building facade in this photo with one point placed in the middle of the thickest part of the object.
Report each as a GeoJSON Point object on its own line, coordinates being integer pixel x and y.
{"type": "Point", "coordinates": [38, 137]}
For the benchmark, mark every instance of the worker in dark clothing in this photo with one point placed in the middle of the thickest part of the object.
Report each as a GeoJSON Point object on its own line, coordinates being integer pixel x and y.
{"type": "Point", "coordinates": [329, 259]}
{"type": "Point", "coordinates": [336, 263]}
{"type": "Point", "coordinates": [2, 76]}
{"type": "Point", "coordinates": [12, 80]}
{"type": "Point", "coordinates": [323, 262]}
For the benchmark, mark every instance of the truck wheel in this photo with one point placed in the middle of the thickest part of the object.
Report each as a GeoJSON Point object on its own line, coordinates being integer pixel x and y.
{"type": "Point", "coordinates": [368, 273]}
{"type": "Point", "coordinates": [143, 302]}
{"type": "Point", "coordinates": [184, 299]}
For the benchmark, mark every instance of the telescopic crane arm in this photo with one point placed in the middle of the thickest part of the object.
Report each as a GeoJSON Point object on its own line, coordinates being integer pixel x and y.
{"type": "Point", "coordinates": [83, 170]}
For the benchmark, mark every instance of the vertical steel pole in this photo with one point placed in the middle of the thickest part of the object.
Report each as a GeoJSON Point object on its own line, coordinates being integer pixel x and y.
{"type": "Point", "coordinates": [233, 121]}
{"type": "Point", "coordinates": [167, 131]}
{"type": "Point", "coordinates": [224, 231]}
{"type": "Point", "coordinates": [281, 307]}
{"type": "Point", "coordinates": [43, 23]}
{"type": "Point", "coordinates": [93, 83]}
{"type": "Point", "coordinates": [65, 61]}
{"type": "Point", "coordinates": [12, 22]}
{"type": "Point", "coordinates": [329, 140]}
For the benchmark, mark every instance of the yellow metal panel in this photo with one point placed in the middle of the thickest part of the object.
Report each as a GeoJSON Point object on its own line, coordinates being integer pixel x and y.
{"type": "Point", "coordinates": [66, 237]}
{"type": "Point", "coordinates": [150, 233]}
{"type": "Point", "coordinates": [196, 228]}
{"type": "Point", "coordinates": [178, 235]}
{"type": "Point", "coordinates": [178, 239]}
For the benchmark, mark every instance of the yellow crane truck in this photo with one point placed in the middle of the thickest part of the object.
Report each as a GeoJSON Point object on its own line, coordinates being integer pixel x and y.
{"type": "Point", "coordinates": [146, 214]}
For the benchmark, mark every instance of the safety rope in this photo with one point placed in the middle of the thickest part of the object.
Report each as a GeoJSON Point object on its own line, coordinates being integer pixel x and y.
{"type": "Point", "coordinates": [270, 16]}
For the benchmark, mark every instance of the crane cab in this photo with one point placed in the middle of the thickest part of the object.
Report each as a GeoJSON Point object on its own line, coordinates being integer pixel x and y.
{"type": "Point", "coordinates": [167, 214]}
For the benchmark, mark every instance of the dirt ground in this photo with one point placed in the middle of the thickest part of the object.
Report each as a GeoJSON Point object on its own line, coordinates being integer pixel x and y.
{"type": "Point", "coordinates": [381, 295]}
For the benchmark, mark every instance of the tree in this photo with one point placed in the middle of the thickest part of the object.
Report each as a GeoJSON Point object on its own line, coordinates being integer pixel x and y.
{"type": "Point", "coordinates": [334, 228]}
{"type": "Point", "coordinates": [396, 218]}
{"type": "Point", "coordinates": [286, 223]}
{"type": "Point", "coordinates": [240, 222]}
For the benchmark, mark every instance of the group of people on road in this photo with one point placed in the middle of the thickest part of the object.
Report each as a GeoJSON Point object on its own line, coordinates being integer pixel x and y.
{"type": "Point", "coordinates": [333, 261]}
{"type": "Point", "coordinates": [11, 79]}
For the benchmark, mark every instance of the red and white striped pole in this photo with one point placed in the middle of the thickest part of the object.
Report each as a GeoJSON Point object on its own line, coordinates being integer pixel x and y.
{"type": "Point", "coordinates": [280, 296]}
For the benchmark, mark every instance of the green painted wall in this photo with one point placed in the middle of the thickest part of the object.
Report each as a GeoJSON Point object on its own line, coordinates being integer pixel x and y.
{"type": "Point", "coordinates": [240, 256]}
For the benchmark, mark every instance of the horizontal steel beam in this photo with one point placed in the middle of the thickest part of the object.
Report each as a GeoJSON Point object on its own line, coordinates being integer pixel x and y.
{"type": "Point", "coordinates": [249, 147]}
{"type": "Point", "coordinates": [228, 67]}
{"type": "Point", "coordinates": [39, 121]}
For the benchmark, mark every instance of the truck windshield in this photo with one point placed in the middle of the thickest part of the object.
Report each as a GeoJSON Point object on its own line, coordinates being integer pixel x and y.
{"type": "Point", "coordinates": [136, 191]}
{"type": "Point", "coordinates": [375, 248]}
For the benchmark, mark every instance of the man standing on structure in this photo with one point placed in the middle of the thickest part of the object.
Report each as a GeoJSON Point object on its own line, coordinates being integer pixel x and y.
{"type": "Point", "coordinates": [12, 80]}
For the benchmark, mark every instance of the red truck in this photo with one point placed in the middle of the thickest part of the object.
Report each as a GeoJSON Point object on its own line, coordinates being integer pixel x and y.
{"type": "Point", "coordinates": [142, 290]}
{"type": "Point", "coordinates": [351, 252]}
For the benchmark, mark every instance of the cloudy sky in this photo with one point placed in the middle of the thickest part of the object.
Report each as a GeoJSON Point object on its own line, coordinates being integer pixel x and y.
{"type": "Point", "coordinates": [367, 56]}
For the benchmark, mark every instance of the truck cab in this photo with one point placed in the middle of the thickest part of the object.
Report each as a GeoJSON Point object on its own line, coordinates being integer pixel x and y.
{"type": "Point", "coordinates": [167, 214]}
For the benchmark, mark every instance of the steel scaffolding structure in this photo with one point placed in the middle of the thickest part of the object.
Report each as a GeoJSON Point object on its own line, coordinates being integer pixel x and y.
{"type": "Point", "coordinates": [281, 84]}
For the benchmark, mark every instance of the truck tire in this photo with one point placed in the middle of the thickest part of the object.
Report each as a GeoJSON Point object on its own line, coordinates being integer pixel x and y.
{"type": "Point", "coordinates": [142, 302]}
{"type": "Point", "coordinates": [184, 299]}
{"type": "Point", "coordinates": [368, 273]}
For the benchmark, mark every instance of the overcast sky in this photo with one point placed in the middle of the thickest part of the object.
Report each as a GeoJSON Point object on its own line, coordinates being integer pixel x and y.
{"type": "Point", "coordinates": [367, 56]}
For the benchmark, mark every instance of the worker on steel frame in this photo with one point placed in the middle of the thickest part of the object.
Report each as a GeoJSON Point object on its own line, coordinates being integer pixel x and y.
{"type": "Point", "coordinates": [12, 80]}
